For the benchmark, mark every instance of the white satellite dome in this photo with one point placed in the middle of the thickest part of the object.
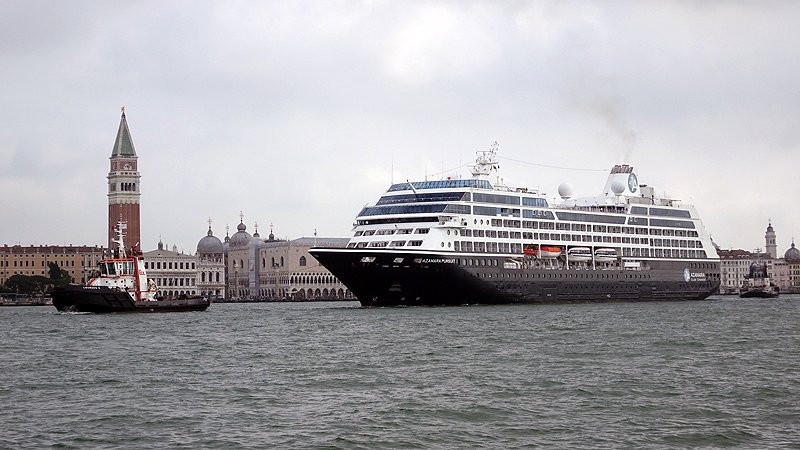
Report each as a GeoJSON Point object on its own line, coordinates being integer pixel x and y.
{"type": "Point", "coordinates": [618, 187]}
{"type": "Point", "coordinates": [565, 191]}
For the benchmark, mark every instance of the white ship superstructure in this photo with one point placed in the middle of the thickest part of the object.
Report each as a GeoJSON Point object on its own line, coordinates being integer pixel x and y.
{"type": "Point", "coordinates": [465, 217]}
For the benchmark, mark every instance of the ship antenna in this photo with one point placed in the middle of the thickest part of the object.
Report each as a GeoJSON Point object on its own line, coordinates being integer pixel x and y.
{"type": "Point", "coordinates": [120, 241]}
{"type": "Point", "coordinates": [412, 186]}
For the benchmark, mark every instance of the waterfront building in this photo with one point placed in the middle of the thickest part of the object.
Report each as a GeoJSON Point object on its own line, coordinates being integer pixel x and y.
{"type": "Point", "coordinates": [239, 262]}
{"type": "Point", "coordinates": [276, 269]}
{"type": "Point", "coordinates": [792, 258]}
{"type": "Point", "coordinates": [175, 273]}
{"type": "Point", "coordinates": [289, 272]}
{"type": "Point", "coordinates": [735, 266]}
{"type": "Point", "coordinates": [79, 261]}
{"type": "Point", "coordinates": [784, 272]}
{"type": "Point", "coordinates": [211, 265]}
{"type": "Point", "coordinates": [124, 187]}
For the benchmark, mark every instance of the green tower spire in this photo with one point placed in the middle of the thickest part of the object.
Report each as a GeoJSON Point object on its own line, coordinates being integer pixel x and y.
{"type": "Point", "coordinates": [123, 145]}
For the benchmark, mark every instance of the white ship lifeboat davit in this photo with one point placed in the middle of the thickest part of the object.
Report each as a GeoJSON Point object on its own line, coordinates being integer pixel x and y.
{"type": "Point", "coordinates": [579, 254]}
{"type": "Point", "coordinates": [605, 255]}
{"type": "Point", "coordinates": [549, 252]}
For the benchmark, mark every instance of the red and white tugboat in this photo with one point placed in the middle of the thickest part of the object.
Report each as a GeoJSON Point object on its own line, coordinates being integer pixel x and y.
{"type": "Point", "coordinates": [121, 286]}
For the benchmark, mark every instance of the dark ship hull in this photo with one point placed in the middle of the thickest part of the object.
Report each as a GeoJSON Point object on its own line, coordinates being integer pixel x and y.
{"type": "Point", "coordinates": [101, 299]}
{"type": "Point", "coordinates": [759, 293]}
{"type": "Point", "coordinates": [402, 278]}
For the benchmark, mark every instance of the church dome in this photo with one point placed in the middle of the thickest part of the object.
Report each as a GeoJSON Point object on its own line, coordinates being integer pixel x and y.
{"type": "Point", "coordinates": [792, 255]}
{"type": "Point", "coordinates": [241, 238]}
{"type": "Point", "coordinates": [209, 244]}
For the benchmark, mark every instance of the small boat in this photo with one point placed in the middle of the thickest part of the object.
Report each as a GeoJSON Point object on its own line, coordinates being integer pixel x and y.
{"type": "Point", "coordinates": [579, 254]}
{"type": "Point", "coordinates": [530, 250]}
{"type": "Point", "coordinates": [549, 252]}
{"type": "Point", "coordinates": [122, 286]}
{"type": "Point", "coordinates": [605, 255]}
{"type": "Point", "coordinates": [757, 284]}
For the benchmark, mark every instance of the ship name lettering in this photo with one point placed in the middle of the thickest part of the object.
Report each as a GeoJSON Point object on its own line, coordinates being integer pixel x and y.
{"type": "Point", "coordinates": [437, 261]}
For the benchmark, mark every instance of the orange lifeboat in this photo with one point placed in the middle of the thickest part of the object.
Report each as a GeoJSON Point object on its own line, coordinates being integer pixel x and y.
{"type": "Point", "coordinates": [549, 252]}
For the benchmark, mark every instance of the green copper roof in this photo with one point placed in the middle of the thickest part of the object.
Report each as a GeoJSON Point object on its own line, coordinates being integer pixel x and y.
{"type": "Point", "coordinates": [123, 146]}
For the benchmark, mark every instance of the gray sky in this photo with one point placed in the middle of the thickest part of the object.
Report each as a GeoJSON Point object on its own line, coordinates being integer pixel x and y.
{"type": "Point", "coordinates": [295, 112]}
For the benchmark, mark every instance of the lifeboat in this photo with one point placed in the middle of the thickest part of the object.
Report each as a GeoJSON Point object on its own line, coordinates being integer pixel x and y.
{"type": "Point", "coordinates": [549, 252]}
{"type": "Point", "coordinates": [579, 254]}
{"type": "Point", "coordinates": [605, 255]}
{"type": "Point", "coordinates": [528, 250]}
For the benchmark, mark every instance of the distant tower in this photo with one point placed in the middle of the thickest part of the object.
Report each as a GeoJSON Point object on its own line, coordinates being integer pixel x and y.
{"type": "Point", "coordinates": [123, 186]}
{"type": "Point", "coordinates": [769, 236]}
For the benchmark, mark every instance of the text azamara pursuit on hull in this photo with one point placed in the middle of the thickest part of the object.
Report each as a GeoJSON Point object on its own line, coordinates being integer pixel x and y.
{"type": "Point", "coordinates": [468, 241]}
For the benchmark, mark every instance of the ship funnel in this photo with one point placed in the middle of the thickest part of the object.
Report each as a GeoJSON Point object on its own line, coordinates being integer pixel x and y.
{"type": "Point", "coordinates": [621, 182]}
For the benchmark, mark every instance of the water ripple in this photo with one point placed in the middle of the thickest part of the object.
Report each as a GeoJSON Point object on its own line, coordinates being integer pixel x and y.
{"type": "Point", "coordinates": [331, 375]}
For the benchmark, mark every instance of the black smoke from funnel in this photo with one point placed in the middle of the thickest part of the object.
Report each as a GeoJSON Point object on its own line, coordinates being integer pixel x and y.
{"type": "Point", "coordinates": [612, 111]}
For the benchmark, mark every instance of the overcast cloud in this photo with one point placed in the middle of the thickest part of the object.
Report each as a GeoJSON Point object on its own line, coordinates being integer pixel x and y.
{"type": "Point", "coordinates": [296, 112]}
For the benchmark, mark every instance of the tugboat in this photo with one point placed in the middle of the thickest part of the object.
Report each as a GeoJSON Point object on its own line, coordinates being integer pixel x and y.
{"type": "Point", "coordinates": [122, 286]}
{"type": "Point", "coordinates": [757, 283]}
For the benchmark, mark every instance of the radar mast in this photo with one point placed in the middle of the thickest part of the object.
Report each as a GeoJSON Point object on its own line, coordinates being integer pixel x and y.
{"type": "Point", "coordinates": [486, 162]}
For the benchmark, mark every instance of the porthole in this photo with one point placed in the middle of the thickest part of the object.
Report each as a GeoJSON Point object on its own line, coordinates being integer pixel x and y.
{"type": "Point", "coordinates": [448, 232]}
{"type": "Point", "coordinates": [442, 244]}
{"type": "Point", "coordinates": [448, 245]}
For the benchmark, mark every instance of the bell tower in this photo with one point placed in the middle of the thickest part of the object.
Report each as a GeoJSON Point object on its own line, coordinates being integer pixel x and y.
{"type": "Point", "coordinates": [123, 186]}
{"type": "Point", "coordinates": [769, 237]}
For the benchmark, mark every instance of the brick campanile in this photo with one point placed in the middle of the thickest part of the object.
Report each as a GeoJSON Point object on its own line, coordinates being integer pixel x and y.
{"type": "Point", "coordinates": [123, 187]}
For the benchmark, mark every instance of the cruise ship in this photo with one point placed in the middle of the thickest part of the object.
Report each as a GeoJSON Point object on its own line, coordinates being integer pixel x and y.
{"type": "Point", "coordinates": [469, 241]}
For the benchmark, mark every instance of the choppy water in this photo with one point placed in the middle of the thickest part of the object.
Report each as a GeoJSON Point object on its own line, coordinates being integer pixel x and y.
{"type": "Point", "coordinates": [718, 373]}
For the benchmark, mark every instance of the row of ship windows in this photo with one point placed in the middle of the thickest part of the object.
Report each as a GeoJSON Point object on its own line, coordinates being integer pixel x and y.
{"type": "Point", "coordinates": [501, 234]}
{"type": "Point", "coordinates": [463, 197]}
{"type": "Point", "coordinates": [663, 212]}
{"type": "Point", "coordinates": [503, 247]}
{"type": "Point", "coordinates": [523, 213]}
{"type": "Point", "coordinates": [490, 262]}
{"type": "Point", "coordinates": [389, 231]}
{"type": "Point", "coordinates": [579, 238]}
{"type": "Point", "coordinates": [516, 248]}
{"type": "Point", "coordinates": [441, 184]}
{"type": "Point", "coordinates": [538, 225]}
{"type": "Point", "coordinates": [383, 244]}
{"type": "Point", "coordinates": [560, 275]}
